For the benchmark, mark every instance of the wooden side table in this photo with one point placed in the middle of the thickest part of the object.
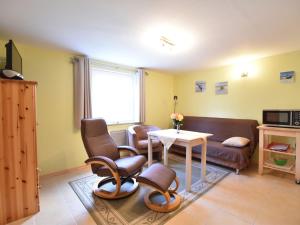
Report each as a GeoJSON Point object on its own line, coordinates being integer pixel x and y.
{"type": "Point", "coordinates": [264, 136]}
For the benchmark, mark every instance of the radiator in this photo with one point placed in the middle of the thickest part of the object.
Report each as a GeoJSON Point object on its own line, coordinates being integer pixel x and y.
{"type": "Point", "coordinates": [120, 137]}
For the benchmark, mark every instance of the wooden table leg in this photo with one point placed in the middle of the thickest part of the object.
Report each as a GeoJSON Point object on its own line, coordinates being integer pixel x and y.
{"type": "Point", "coordinates": [261, 152]}
{"type": "Point", "coordinates": [203, 159]}
{"type": "Point", "coordinates": [188, 168]}
{"type": "Point", "coordinates": [298, 158]}
{"type": "Point", "coordinates": [149, 151]}
{"type": "Point", "coordinates": [165, 156]}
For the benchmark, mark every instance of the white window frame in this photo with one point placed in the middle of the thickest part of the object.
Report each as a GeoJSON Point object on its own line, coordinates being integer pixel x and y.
{"type": "Point", "coordinates": [125, 71]}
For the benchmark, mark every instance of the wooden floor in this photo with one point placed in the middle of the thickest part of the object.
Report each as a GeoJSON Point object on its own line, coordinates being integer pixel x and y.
{"type": "Point", "coordinates": [245, 199]}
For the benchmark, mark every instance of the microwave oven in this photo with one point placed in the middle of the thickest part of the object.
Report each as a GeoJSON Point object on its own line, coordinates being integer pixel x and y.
{"type": "Point", "coordinates": [282, 118]}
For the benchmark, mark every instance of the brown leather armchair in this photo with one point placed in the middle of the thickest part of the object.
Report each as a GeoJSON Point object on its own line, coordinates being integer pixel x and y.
{"type": "Point", "coordinates": [138, 138]}
{"type": "Point", "coordinates": [105, 160]}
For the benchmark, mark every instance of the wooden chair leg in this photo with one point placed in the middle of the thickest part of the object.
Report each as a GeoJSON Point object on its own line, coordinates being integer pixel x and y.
{"type": "Point", "coordinates": [118, 184]}
{"type": "Point", "coordinates": [177, 186]}
{"type": "Point", "coordinates": [168, 206]}
{"type": "Point", "coordinates": [117, 193]}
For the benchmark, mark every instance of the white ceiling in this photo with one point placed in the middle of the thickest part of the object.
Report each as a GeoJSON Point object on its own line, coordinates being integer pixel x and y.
{"type": "Point", "coordinates": [213, 32]}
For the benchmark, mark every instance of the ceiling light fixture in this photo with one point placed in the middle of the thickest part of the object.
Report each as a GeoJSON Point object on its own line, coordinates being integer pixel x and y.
{"type": "Point", "coordinates": [244, 74]}
{"type": "Point", "coordinates": [166, 43]}
{"type": "Point", "coordinates": [168, 39]}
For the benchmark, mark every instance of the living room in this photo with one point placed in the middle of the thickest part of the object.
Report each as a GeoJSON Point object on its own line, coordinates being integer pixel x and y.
{"type": "Point", "coordinates": [221, 59]}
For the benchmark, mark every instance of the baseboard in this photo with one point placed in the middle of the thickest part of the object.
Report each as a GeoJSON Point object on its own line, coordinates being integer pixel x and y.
{"type": "Point", "coordinates": [62, 172]}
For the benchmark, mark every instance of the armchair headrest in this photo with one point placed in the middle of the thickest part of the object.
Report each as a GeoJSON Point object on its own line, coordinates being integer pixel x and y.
{"type": "Point", "coordinates": [141, 130]}
{"type": "Point", "coordinates": [93, 127]}
{"type": "Point", "coordinates": [97, 140]}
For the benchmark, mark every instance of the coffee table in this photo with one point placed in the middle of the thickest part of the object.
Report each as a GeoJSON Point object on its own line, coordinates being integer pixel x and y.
{"type": "Point", "coordinates": [187, 139]}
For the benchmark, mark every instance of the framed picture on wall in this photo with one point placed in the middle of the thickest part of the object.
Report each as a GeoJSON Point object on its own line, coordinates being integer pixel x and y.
{"type": "Point", "coordinates": [222, 88]}
{"type": "Point", "coordinates": [200, 86]}
{"type": "Point", "coordinates": [287, 77]}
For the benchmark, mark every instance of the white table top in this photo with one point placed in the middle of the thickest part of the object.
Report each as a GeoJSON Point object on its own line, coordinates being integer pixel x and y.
{"type": "Point", "coordinates": [183, 134]}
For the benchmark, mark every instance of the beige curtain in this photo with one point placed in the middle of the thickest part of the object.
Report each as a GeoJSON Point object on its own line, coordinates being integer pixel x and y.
{"type": "Point", "coordinates": [142, 95]}
{"type": "Point", "coordinates": [82, 89]}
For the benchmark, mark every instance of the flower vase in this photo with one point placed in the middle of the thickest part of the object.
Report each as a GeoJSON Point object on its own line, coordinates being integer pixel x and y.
{"type": "Point", "coordinates": [177, 128]}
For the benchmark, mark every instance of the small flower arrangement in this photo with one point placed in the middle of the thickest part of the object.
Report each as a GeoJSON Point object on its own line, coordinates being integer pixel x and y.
{"type": "Point", "coordinates": [177, 120]}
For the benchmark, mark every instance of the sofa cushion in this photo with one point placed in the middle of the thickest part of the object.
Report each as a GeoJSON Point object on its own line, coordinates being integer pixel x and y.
{"type": "Point", "coordinates": [234, 155]}
{"type": "Point", "coordinates": [236, 142]}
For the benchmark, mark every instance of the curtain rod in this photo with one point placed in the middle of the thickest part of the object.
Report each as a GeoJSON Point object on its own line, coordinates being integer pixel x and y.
{"type": "Point", "coordinates": [109, 65]}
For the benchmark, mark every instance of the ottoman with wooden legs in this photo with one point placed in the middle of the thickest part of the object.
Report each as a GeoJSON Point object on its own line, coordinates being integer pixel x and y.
{"type": "Point", "coordinates": [160, 178]}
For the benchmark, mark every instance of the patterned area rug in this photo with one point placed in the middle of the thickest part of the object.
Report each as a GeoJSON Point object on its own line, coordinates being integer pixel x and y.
{"type": "Point", "coordinates": [132, 210]}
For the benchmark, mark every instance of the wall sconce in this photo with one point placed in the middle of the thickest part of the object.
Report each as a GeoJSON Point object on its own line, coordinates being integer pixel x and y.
{"type": "Point", "coordinates": [244, 74]}
{"type": "Point", "coordinates": [175, 98]}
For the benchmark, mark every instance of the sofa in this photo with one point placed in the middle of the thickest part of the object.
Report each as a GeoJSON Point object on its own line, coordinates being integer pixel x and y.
{"type": "Point", "coordinates": [223, 128]}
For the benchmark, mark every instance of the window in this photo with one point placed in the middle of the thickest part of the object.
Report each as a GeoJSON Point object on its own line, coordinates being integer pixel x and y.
{"type": "Point", "coordinates": [115, 93]}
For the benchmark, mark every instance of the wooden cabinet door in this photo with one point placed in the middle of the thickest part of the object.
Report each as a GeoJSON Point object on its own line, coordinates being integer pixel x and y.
{"type": "Point", "coordinates": [18, 151]}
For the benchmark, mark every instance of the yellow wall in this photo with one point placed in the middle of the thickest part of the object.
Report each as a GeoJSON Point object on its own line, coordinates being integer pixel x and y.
{"type": "Point", "coordinates": [159, 98]}
{"type": "Point", "coordinates": [59, 144]}
{"type": "Point", "coordinates": [247, 97]}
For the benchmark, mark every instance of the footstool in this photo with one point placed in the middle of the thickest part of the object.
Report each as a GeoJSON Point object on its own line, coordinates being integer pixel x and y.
{"type": "Point", "coordinates": [160, 178]}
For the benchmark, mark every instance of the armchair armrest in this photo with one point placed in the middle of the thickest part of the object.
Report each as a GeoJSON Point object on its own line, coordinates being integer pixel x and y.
{"type": "Point", "coordinates": [102, 160]}
{"type": "Point", "coordinates": [131, 130]}
{"type": "Point", "coordinates": [132, 136]}
{"type": "Point", "coordinates": [128, 149]}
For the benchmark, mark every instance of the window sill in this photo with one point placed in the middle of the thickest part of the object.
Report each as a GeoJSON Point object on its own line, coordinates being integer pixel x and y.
{"type": "Point", "coordinates": [117, 124]}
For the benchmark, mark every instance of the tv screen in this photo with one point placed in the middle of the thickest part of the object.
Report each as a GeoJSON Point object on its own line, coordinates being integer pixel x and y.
{"type": "Point", "coordinates": [13, 58]}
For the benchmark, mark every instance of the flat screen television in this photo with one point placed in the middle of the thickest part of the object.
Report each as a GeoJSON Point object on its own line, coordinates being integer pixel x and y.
{"type": "Point", "coordinates": [13, 58]}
